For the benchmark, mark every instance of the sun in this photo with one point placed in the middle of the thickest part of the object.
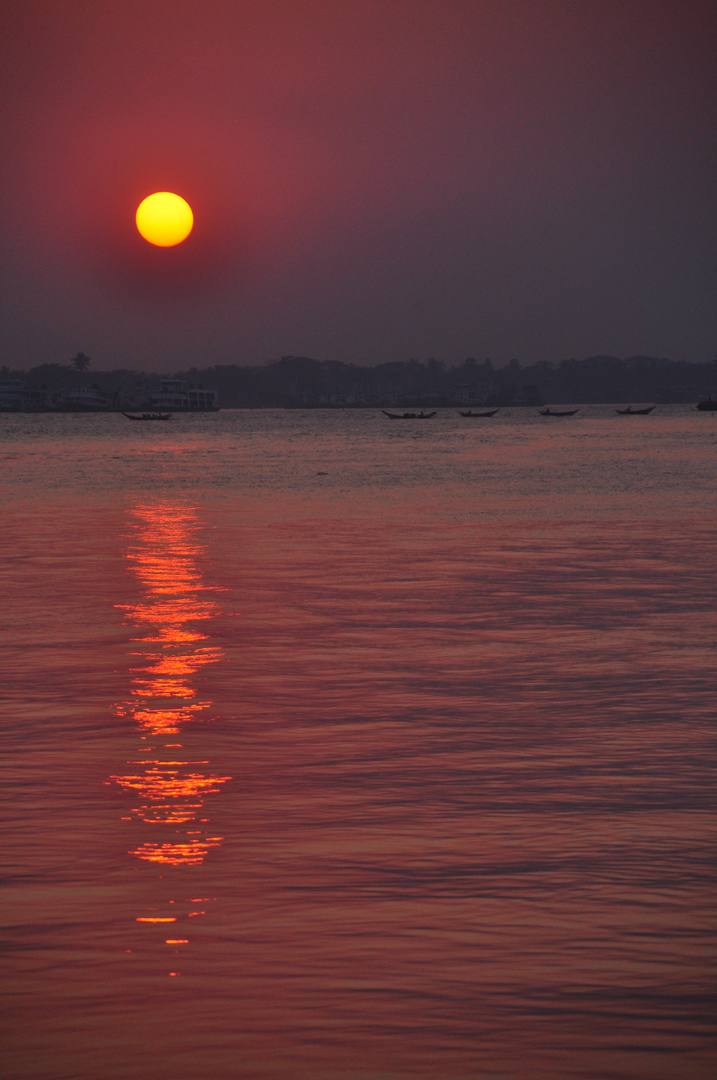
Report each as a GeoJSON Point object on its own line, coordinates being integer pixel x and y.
{"type": "Point", "coordinates": [164, 219]}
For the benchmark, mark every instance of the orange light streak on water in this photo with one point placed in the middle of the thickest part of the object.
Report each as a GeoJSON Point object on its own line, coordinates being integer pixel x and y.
{"type": "Point", "coordinates": [173, 666]}
{"type": "Point", "coordinates": [165, 721]}
{"type": "Point", "coordinates": [163, 783]}
{"type": "Point", "coordinates": [165, 559]}
{"type": "Point", "coordinates": [188, 854]}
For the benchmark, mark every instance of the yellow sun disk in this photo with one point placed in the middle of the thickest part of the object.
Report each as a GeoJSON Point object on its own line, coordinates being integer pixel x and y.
{"type": "Point", "coordinates": [164, 219]}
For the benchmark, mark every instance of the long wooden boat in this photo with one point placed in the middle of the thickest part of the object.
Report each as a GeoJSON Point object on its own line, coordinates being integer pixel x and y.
{"type": "Point", "coordinates": [409, 415]}
{"type": "Point", "coordinates": [148, 416]}
{"type": "Point", "coordinates": [558, 412]}
{"type": "Point", "coordinates": [479, 415]}
{"type": "Point", "coordinates": [629, 411]}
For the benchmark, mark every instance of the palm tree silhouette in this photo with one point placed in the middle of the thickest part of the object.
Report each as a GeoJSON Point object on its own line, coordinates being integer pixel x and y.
{"type": "Point", "coordinates": [81, 362]}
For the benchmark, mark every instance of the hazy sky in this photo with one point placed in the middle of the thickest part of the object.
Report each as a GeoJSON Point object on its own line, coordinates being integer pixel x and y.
{"type": "Point", "coordinates": [371, 180]}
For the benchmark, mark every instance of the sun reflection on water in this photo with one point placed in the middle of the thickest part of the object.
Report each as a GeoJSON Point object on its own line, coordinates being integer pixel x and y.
{"type": "Point", "coordinates": [165, 558]}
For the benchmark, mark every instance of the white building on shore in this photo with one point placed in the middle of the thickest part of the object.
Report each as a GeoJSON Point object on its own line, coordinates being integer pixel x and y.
{"type": "Point", "coordinates": [175, 396]}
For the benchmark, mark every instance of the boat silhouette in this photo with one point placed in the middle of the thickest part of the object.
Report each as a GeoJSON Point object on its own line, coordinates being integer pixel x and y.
{"type": "Point", "coordinates": [409, 415]}
{"type": "Point", "coordinates": [479, 415]}
{"type": "Point", "coordinates": [629, 411]}
{"type": "Point", "coordinates": [148, 416]}
{"type": "Point", "coordinates": [558, 412]}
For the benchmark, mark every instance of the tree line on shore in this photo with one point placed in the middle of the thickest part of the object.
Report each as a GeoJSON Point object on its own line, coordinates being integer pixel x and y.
{"type": "Point", "coordinates": [303, 381]}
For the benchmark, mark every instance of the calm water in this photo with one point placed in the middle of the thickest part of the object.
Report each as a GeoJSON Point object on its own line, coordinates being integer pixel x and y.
{"type": "Point", "coordinates": [346, 749]}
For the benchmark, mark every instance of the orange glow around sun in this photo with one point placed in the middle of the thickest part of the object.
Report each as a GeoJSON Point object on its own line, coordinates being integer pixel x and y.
{"type": "Point", "coordinates": [164, 219]}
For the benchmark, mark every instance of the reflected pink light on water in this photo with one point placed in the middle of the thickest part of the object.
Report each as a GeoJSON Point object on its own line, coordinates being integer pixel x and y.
{"type": "Point", "coordinates": [470, 830]}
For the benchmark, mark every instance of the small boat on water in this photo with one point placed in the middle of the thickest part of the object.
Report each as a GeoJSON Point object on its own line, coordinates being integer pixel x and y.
{"type": "Point", "coordinates": [708, 405]}
{"type": "Point", "coordinates": [409, 415]}
{"type": "Point", "coordinates": [148, 416]}
{"type": "Point", "coordinates": [629, 411]}
{"type": "Point", "coordinates": [558, 412]}
{"type": "Point", "coordinates": [479, 415]}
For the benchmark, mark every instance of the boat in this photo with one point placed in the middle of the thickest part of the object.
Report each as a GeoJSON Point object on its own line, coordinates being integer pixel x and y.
{"type": "Point", "coordinates": [629, 411]}
{"type": "Point", "coordinates": [708, 405]}
{"type": "Point", "coordinates": [479, 415]}
{"type": "Point", "coordinates": [558, 412]}
{"type": "Point", "coordinates": [409, 415]}
{"type": "Point", "coordinates": [148, 416]}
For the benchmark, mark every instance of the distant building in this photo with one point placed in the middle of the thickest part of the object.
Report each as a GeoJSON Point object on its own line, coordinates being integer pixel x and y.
{"type": "Point", "coordinates": [17, 396]}
{"type": "Point", "coordinates": [13, 395]}
{"type": "Point", "coordinates": [83, 399]}
{"type": "Point", "coordinates": [174, 396]}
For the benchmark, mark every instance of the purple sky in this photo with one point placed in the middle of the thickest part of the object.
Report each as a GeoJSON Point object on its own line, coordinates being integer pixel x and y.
{"type": "Point", "coordinates": [371, 180]}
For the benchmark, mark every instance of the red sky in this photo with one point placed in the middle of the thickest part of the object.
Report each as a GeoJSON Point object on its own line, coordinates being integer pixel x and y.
{"type": "Point", "coordinates": [370, 180]}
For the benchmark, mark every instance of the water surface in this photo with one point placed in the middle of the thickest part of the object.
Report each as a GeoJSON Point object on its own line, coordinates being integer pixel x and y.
{"type": "Point", "coordinates": [349, 749]}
